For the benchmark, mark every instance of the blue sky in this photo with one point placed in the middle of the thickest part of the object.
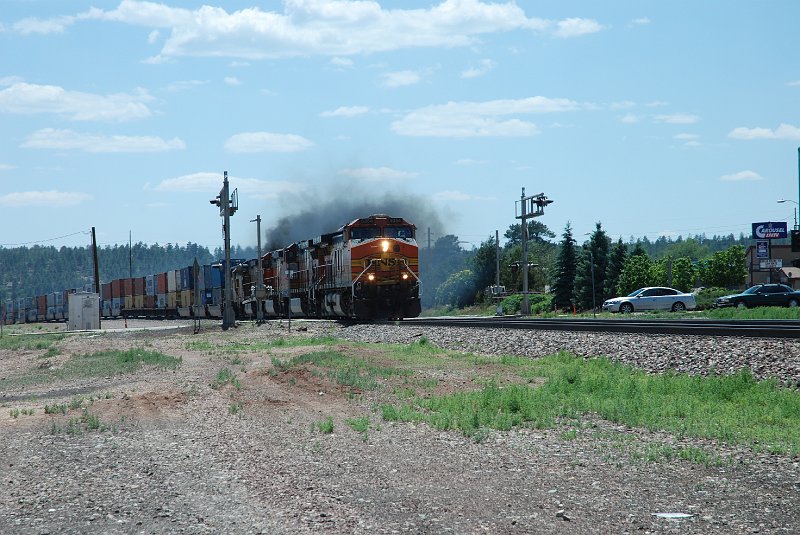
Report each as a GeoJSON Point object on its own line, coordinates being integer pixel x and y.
{"type": "Point", "coordinates": [651, 117]}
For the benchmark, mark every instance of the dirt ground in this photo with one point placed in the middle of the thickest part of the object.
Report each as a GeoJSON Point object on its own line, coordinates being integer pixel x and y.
{"type": "Point", "coordinates": [175, 451]}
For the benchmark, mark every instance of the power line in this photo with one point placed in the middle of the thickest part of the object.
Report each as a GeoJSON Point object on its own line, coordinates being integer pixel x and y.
{"type": "Point", "coordinates": [86, 232]}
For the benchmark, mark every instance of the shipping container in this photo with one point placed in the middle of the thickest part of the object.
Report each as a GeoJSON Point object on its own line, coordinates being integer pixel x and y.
{"type": "Point", "coordinates": [172, 300]}
{"type": "Point", "coordinates": [161, 300]}
{"type": "Point", "coordinates": [149, 301]}
{"type": "Point", "coordinates": [127, 302]}
{"type": "Point", "coordinates": [116, 288]}
{"type": "Point", "coordinates": [138, 286]}
{"type": "Point", "coordinates": [138, 302]}
{"type": "Point", "coordinates": [116, 305]}
{"type": "Point", "coordinates": [41, 306]}
{"type": "Point", "coordinates": [127, 288]}
{"type": "Point", "coordinates": [171, 285]}
{"type": "Point", "coordinates": [161, 283]}
{"type": "Point", "coordinates": [186, 298]}
{"type": "Point", "coordinates": [216, 276]}
{"type": "Point", "coordinates": [150, 285]}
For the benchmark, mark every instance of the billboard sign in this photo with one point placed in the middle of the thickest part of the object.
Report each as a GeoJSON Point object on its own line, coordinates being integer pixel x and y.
{"type": "Point", "coordinates": [769, 230]}
{"type": "Point", "coordinates": [762, 249]}
{"type": "Point", "coordinates": [775, 263]}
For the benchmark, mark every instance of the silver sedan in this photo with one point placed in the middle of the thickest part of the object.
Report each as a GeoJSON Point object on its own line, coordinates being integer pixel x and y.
{"type": "Point", "coordinates": [651, 298]}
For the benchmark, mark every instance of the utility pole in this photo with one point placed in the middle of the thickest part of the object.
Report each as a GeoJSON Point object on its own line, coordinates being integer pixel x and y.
{"type": "Point", "coordinates": [96, 273]}
{"type": "Point", "coordinates": [228, 204]}
{"type": "Point", "coordinates": [532, 206]}
{"type": "Point", "coordinates": [429, 238]}
{"type": "Point", "coordinates": [260, 290]}
{"type": "Point", "coordinates": [497, 258]}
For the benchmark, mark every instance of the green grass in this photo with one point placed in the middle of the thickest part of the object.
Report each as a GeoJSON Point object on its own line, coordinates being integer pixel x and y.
{"type": "Point", "coordinates": [30, 342]}
{"type": "Point", "coordinates": [249, 345]}
{"type": "Point", "coordinates": [758, 313]}
{"type": "Point", "coordinates": [226, 376]}
{"type": "Point", "coordinates": [325, 426]}
{"type": "Point", "coordinates": [735, 409]}
{"type": "Point", "coordinates": [343, 370]}
{"type": "Point", "coordinates": [102, 363]}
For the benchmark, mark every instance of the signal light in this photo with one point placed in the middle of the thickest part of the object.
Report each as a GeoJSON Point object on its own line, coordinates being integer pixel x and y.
{"type": "Point", "coordinates": [796, 241]}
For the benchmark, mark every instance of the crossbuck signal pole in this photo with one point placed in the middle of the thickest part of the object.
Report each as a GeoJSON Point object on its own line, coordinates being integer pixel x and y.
{"type": "Point", "coordinates": [532, 206]}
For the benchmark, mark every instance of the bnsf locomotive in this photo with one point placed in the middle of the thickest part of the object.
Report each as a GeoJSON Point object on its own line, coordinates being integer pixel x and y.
{"type": "Point", "coordinates": [367, 269]}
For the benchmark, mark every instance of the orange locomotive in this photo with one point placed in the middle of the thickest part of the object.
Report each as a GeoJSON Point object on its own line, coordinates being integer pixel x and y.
{"type": "Point", "coordinates": [367, 269]}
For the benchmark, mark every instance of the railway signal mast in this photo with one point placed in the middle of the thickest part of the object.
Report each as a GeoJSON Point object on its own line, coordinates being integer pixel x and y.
{"type": "Point", "coordinates": [528, 207]}
{"type": "Point", "coordinates": [228, 204]}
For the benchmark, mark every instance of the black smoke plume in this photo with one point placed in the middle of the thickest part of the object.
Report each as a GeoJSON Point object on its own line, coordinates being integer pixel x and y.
{"type": "Point", "coordinates": [322, 214]}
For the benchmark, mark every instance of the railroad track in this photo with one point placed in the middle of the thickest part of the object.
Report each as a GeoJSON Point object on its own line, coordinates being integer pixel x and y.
{"type": "Point", "coordinates": [705, 327]}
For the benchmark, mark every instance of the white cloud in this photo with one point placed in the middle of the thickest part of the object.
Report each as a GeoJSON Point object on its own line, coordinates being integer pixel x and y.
{"type": "Point", "coordinates": [152, 37]}
{"type": "Point", "coordinates": [641, 21]}
{"type": "Point", "coordinates": [479, 119]}
{"type": "Point", "coordinates": [629, 118]}
{"type": "Point", "coordinates": [677, 118]}
{"type": "Point", "coordinates": [6, 167]}
{"type": "Point", "coordinates": [210, 183]}
{"type": "Point", "coordinates": [686, 136]}
{"type": "Point", "coordinates": [624, 105]}
{"type": "Point", "coordinates": [184, 85]}
{"type": "Point", "coordinates": [51, 198]}
{"type": "Point", "coordinates": [314, 27]}
{"type": "Point", "coordinates": [796, 83]}
{"type": "Point", "coordinates": [470, 161]}
{"type": "Point", "coordinates": [342, 63]}
{"type": "Point", "coordinates": [232, 80]}
{"type": "Point", "coordinates": [455, 195]}
{"type": "Point", "coordinates": [26, 98]}
{"type": "Point", "coordinates": [485, 66]}
{"type": "Point", "coordinates": [784, 131]}
{"type": "Point", "coordinates": [377, 174]}
{"type": "Point", "coordinates": [50, 138]}
{"type": "Point", "coordinates": [742, 176]}
{"type": "Point", "coordinates": [575, 27]}
{"type": "Point", "coordinates": [249, 142]}
{"type": "Point", "coordinates": [400, 78]}
{"type": "Point", "coordinates": [345, 111]}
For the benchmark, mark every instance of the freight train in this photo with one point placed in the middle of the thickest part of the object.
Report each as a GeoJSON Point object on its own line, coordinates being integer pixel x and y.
{"type": "Point", "coordinates": [367, 269]}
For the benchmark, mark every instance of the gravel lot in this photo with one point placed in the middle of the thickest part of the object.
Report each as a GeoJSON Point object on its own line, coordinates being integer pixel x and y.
{"type": "Point", "coordinates": [182, 457]}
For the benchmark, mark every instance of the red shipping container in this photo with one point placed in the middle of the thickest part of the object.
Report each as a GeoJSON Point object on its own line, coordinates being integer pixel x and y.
{"type": "Point", "coordinates": [41, 302]}
{"type": "Point", "coordinates": [106, 288]}
{"type": "Point", "coordinates": [161, 283]}
{"type": "Point", "coordinates": [127, 287]}
{"type": "Point", "coordinates": [116, 288]}
{"type": "Point", "coordinates": [138, 286]}
{"type": "Point", "coordinates": [149, 301]}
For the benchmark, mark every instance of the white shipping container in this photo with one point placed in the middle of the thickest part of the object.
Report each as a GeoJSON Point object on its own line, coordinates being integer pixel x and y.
{"type": "Point", "coordinates": [171, 285]}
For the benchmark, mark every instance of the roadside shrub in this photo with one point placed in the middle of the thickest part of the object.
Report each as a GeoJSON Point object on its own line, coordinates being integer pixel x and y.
{"type": "Point", "coordinates": [705, 297]}
{"type": "Point", "coordinates": [540, 303]}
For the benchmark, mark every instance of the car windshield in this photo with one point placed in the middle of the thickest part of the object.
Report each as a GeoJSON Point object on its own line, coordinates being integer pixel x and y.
{"type": "Point", "coordinates": [637, 292]}
{"type": "Point", "coordinates": [752, 290]}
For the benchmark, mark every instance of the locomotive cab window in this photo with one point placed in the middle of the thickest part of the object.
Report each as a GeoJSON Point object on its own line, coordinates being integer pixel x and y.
{"type": "Point", "coordinates": [399, 232]}
{"type": "Point", "coordinates": [361, 233]}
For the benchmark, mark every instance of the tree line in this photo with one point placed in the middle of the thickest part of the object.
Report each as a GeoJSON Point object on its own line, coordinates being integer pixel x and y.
{"type": "Point", "coordinates": [38, 270]}
{"type": "Point", "coordinates": [578, 275]}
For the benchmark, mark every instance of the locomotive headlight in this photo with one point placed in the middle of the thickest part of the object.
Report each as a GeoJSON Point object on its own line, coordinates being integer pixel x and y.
{"type": "Point", "coordinates": [371, 277]}
{"type": "Point", "coordinates": [385, 245]}
{"type": "Point", "coordinates": [405, 276]}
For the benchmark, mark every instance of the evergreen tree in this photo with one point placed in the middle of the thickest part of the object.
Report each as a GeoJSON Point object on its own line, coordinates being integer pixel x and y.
{"type": "Point", "coordinates": [564, 286]}
{"type": "Point", "coordinates": [616, 263]}
{"type": "Point", "coordinates": [590, 278]}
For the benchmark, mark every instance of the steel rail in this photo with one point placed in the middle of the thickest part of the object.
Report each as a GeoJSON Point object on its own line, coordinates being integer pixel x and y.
{"type": "Point", "coordinates": [705, 327]}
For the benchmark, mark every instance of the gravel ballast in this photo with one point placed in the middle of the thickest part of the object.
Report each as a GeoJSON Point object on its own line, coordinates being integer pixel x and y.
{"type": "Point", "coordinates": [179, 456]}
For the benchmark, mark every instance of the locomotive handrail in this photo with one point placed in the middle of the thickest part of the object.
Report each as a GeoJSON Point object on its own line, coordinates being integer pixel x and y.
{"type": "Point", "coordinates": [353, 285]}
{"type": "Point", "coordinates": [419, 282]}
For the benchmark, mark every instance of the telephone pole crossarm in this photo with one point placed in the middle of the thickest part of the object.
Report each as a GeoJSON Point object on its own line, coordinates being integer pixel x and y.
{"type": "Point", "coordinates": [528, 207]}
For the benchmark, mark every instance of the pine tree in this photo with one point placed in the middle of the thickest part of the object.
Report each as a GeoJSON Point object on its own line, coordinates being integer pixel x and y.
{"type": "Point", "coordinates": [590, 276]}
{"type": "Point", "coordinates": [616, 263]}
{"type": "Point", "coordinates": [564, 287]}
